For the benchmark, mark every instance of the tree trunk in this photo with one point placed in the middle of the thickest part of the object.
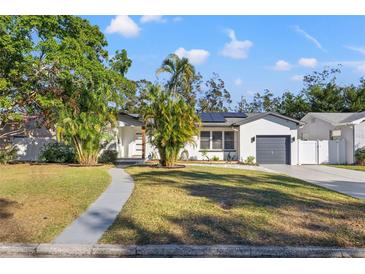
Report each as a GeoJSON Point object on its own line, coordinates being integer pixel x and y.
{"type": "Point", "coordinates": [85, 157]}
{"type": "Point", "coordinates": [143, 143]}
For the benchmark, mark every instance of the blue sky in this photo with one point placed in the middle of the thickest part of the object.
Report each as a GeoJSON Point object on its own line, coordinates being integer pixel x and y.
{"type": "Point", "coordinates": [250, 53]}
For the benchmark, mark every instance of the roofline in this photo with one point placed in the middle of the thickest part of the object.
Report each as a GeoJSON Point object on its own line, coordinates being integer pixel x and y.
{"type": "Point", "coordinates": [133, 117]}
{"type": "Point", "coordinates": [330, 122]}
{"type": "Point", "coordinates": [245, 120]}
{"type": "Point", "coordinates": [264, 114]}
{"type": "Point", "coordinates": [217, 125]}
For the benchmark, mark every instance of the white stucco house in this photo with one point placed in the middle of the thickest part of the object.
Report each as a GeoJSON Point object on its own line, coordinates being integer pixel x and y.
{"type": "Point", "coordinates": [347, 127]}
{"type": "Point", "coordinates": [269, 137]}
{"type": "Point", "coordinates": [319, 138]}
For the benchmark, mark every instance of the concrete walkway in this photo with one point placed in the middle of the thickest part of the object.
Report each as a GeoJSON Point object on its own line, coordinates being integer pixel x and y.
{"type": "Point", "coordinates": [350, 182]}
{"type": "Point", "coordinates": [90, 226]}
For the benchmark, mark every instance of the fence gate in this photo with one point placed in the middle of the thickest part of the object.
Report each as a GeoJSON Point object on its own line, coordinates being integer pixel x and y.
{"type": "Point", "coordinates": [322, 152]}
{"type": "Point", "coordinates": [308, 152]}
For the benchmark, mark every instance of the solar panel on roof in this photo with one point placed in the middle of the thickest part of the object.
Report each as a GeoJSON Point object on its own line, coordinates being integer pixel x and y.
{"type": "Point", "coordinates": [219, 117]}
{"type": "Point", "coordinates": [211, 117]}
{"type": "Point", "coordinates": [234, 115]}
{"type": "Point", "coordinates": [205, 117]}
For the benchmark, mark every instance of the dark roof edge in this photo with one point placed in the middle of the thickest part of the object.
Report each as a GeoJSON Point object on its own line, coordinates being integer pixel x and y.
{"type": "Point", "coordinates": [203, 124]}
{"type": "Point", "coordinates": [130, 115]}
{"type": "Point", "coordinates": [264, 114]}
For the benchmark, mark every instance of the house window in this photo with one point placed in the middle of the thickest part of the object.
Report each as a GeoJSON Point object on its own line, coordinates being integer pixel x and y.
{"type": "Point", "coordinates": [228, 140]}
{"type": "Point", "coordinates": [217, 139]}
{"type": "Point", "coordinates": [205, 140]}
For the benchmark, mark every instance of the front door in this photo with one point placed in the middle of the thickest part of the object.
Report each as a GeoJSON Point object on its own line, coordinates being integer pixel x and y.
{"type": "Point", "coordinates": [137, 149]}
{"type": "Point", "coordinates": [130, 142]}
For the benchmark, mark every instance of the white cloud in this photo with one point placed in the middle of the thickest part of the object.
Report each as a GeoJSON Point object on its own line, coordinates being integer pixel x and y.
{"type": "Point", "coordinates": [358, 49]}
{"type": "Point", "coordinates": [123, 25]}
{"type": "Point", "coordinates": [236, 49]}
{"type": "Point", "coordinates": [308, 62]}
{"type": "Point", "coordinates": [238, 82]}
{"type": "Point", "coordinates": [152, 18]}
{"type": "Point", "coordinates": [361, 68]}
{"type": "Point", "coordinates": [195, 56]}
{"type": "Point", "coordinates": [177, 19]}
{"type": "Point", "coordinates": [297, 77]}
{"type": "Point", "coordinates": [282, 65]}
{"type": "Point", "coordinates": [309, 37]}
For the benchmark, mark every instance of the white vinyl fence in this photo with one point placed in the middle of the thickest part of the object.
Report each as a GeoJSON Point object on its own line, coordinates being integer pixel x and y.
{"type": "Point", "coordinates": [322, 152]}
{"type": "Point", "coordinates": [30, 148]}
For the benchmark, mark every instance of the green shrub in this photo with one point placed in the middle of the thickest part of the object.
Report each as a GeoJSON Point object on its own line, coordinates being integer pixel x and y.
{"type": "Point", "coordinates": [250, 161]}
{"type": "Point", "coordinates": [231, 157]}
{"type": "Point", "coordinates": [57, 153]}
{"type": "Point", "coordinates": [360, 156]}
{"type": "Point", "coordinates": [215, 158]}
{"type": "Point", "coordinates": [184, 155]}
{"type": "Point", "coordinates": [205, 154]}
{"type": "Point", "coordinates": [108, 156]}
{"type": "Point", "coordinates": [7, 154]}
{"type": "Point", "coordinates": [152, 156]}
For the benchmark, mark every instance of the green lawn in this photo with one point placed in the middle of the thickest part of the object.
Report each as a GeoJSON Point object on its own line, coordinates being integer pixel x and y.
{"type": "Point", "coordinates": [38, 201]}
{"type": "Point", "coordinates": [206, 205]}
{"type": "Point", "coordinates": [352, 167]}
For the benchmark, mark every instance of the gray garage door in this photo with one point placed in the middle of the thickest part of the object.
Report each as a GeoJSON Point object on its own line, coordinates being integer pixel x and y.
{"type": "Point", "coordinates": [273, 149]}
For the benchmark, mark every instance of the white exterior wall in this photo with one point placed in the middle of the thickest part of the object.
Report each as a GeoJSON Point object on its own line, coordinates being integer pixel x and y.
{"type": "Point", "coordinates": [269, 125]}
{"type": "Point", "coordinates": [359, 135]}
{"type": "Point", "coordinates": [149, 149]}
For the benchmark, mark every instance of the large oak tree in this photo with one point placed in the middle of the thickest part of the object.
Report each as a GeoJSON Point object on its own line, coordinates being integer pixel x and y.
{"type": "Point", "coordinates": [58, 68]}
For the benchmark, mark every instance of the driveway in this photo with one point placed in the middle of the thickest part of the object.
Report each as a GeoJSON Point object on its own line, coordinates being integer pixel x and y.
{"type": "Point", "coordinates": [350, 182]}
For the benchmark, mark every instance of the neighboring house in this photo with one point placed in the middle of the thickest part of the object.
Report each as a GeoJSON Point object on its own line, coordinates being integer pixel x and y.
{"type": "Point", "coordinates": [349, 127]}
{"type": "Point", "coordinates": [29, 136]}
{"type": "Point", "coordinates": [269, 137]}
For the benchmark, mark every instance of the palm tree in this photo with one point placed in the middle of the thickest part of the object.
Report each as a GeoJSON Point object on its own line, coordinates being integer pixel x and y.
{"type": "Point", "coordinates": [171, 123]}
{"type": "Point", "coordinates": [182, 74]}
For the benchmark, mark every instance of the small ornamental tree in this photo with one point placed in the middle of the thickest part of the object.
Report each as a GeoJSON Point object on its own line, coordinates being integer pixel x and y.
{"type": "Point", "coordinates": [171, 123]}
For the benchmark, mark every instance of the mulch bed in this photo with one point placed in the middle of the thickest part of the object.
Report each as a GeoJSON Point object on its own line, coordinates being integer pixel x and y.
{"type": "Point", "coordinates": [172, 167]}
{"type": "Point", "coordinates": [63, 164]}
{"type": "Point", "coordinates": [78, 165]}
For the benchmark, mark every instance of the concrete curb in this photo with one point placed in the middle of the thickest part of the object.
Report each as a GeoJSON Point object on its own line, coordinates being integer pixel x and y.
{"type": "Point", "coordinates": [166, 251]}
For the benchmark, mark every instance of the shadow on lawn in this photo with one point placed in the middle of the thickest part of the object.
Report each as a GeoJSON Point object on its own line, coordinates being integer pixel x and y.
{"type": "Point", "coordinates": [5, 208]}
{"type": "Point", "coordinates": [208, 229]}
{"type": "Point", "coordinates": [265, 190]}
{"type": "Point", "coordinates": [269, 192]}
{"type": "Point", "coordinates": [10, 230]}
